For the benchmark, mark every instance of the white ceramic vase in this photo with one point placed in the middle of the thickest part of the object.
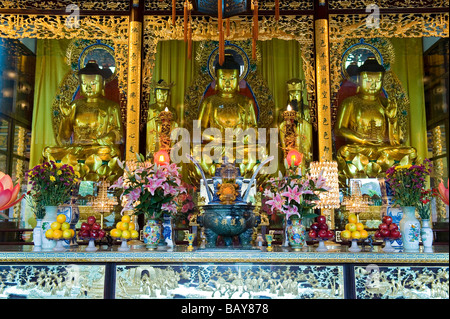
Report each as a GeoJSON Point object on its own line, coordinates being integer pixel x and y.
{"type": "Point", "coordinates": [410, 229]}
{"type": "Point", "coordinates": [49, 218]}
{"type": "Point", "coordinates": [427, 236]}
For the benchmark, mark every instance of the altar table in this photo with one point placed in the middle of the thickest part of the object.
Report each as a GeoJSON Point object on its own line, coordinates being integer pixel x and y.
{"type": "Point", "coordinates": [223, 273]}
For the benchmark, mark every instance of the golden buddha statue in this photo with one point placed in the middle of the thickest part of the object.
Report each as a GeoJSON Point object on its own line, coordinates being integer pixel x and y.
{"type": "Point", "coordinates": [367, 122]}
{"type": "Point", "coordinates": [228, 109]}
{"type": "Point", "coordinates": [296, 133]}
{"type": "Point", "coordinates": [90, 130]}
{"type": "Point", "coordinates": [154, 123]}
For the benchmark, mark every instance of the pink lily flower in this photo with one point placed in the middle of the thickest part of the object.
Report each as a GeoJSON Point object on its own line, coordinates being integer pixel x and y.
{"type": "Point", "coordinates": [276, 203]}
{"type": "Point", "coordinates": [293, 194]}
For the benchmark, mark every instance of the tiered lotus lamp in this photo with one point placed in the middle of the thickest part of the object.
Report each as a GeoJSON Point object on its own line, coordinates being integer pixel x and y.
{"type": "Point", "coordinates": [329, 170]}
{"type": "Point", "coordinates": [356, 203]}
{"type": "Point", "coordinates": [102, 203]}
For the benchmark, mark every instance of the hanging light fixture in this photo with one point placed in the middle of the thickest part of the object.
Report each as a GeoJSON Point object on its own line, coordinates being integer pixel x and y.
{"type": "Point", "coordinates": [329, 170]}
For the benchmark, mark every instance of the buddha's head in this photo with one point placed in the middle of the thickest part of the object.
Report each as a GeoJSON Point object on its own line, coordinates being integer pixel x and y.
{"type": "Point", "coordinates": [370, 78]}
{"type": "Point", "coordinates": [162, 91]}
{"type": "Point", "coordinates": [294, 89]}
{"type": "Point", "coordinates": [92, 81]}
{"type": "Point", "coordinates": [227, 75]}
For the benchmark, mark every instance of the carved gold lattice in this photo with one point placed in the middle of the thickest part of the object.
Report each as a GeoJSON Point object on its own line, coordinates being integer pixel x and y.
{"type": "Point", "coordinates": [115, 5]}
{"type": "Point", "coordinates": [299, 28]}
{"type": "Point", "coordinates": [263, 5]}
{"type": "Point", "coordinates": [362, 4]}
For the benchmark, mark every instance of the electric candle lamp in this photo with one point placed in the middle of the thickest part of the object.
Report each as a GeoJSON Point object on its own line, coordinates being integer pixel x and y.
{"type": "Point", "coordinates": [161, 157]}
{"type": "Point", "coordinates": [294, 158]}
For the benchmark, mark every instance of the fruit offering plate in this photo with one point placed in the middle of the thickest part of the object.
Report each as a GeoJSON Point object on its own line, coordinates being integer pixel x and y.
{"type": "Point", "coordinates": [322, 247]}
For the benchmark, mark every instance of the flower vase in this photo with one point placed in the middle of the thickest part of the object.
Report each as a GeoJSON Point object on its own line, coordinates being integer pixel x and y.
{"type": "Point", "coordinates": [427, 236]}
{"type": "Point", "coordinates": [410, 229]}
{"type": "Point", "coordinates": [167, 231]}
{"type": "Point", "coordinates": [296, 234]}
{"type": "Point", "coordinates": [91, 245]}
{"type": "Point", "coordinates": [151, 234]}
{"type": "Point", "coordinates": [72, 214]}
{"type": "Point", "coordinates": [49, 218]}
{"type": "Point", "coordinates": [287, 223]}
{"type": "Point", "coordinates": [37, 234]}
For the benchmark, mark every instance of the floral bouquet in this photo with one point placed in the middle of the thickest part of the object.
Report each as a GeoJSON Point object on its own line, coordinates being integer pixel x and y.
{"type": "Point", "coordinates": [407, 182]}
{"type": "Point", "coordinates": [423, 207]}
{"type": "Point", "coordinates": [150, 189]}
{"type": "Point", "coordinates": [293, 195]}
{"type": "Point", "coordinates": [185, 203]}
{"type": "Point", "coordinates": [52, 183]}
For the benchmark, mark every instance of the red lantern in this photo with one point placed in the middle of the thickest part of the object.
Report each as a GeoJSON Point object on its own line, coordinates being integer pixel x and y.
{"type": "Point", "coordinates": [161, 157]}
{"type": "Point", "coordinates": [294, 158]}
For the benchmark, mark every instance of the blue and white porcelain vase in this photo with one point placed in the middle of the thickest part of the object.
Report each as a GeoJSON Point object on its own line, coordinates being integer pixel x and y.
{"type": "Point", "coordinates": [427, 236]}
{"type": "Point", "coordinates": [37, 234]}
{"type": "Point", "coordinates": [49, 218]}
{"type": "Point", "coordinates": [410, 228]}
{"type": "Point", "coordinates": [72, 214]}
{"type": "Point", "coordinates": [168, 231]}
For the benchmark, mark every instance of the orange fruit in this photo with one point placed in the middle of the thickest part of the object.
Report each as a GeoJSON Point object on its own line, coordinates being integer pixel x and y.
{"type": "Point", "coordinates": [116, 233]}
{"type": "Point", "coordinates": [65, 226]}
{"type": "Point", "coordinates": [352, 227]}
{"type": "Point", "coordinates": [61, 218]}
{"type": "Point", "coordinates": [67, 234]}
{"type": "Point", "coordinates": [356, 235]}
{"type": "Point", "coordinates": [49, 233]}
{"type": "Point", "coordinates": [126, 234]}
{"type": "Point", "coordinates": [55, 225]}
{"type": "Point", "coordinates": [352, 218]}
{"type": "Point", "coordinates": [134, 234]}
{"type": "Point", "coordinates": [359, 226]}
{"type": "Point", "coordinates": [346, 234]}
{"type": "Point", "coordinates": [57, 233]}
{"type": "Point", "coordinates": [364, 234]}
{"type": "Point", "coordinates": [124, 226]}
{"type": "Point", "coordinates": [119, 225]}
{"type": "Point", "coordinates": [131, 226]}
{"type": "Point", "coordinates": [126, 218]}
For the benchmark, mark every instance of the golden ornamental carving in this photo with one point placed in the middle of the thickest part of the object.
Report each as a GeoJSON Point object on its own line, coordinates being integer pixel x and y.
{"type": "Point", "coordinates": [115, 5]}
{"type": "Point", "coordinates": [362, 4]}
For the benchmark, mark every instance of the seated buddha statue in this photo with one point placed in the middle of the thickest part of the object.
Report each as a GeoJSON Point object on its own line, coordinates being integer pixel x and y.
{"type": "Point", "coordinates": [367, 123]}
{"type": "Point", "coordinates": [162, 98]}
{"type": "Point", "coordinates": [302, 129]}
{"type": "Point", "coordinates": [228, 109]}
{"type": "Point", "coordinates": [90, 130]}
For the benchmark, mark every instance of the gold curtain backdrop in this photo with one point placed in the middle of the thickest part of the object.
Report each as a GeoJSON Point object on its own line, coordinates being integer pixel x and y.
{"type": "Point", "coordinates": [408, 67]}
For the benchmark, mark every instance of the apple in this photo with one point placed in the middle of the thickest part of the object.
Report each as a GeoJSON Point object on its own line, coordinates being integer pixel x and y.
{"type": "Point", "coordinates": [91, 220]}
{"type": "Point", "coordinates": [323, 226]}
{"type": "Point", "coordinates": [330, 234]}
{"type": "Point", "coordinates": [315, 226]}
{"type": "Point", "coordinates": [383, 226]}
{"type": "Point", "coordinates": [96, 226]}
{"type": "Point", "coordinates": [84, 233]}
{"type": "Point", "coordinates": [312, 234]}
{"type": "Point", "coordinates": [384, 233]}
{"type": "Point", "coordinates": [395, 234]}
{"type": "Point", "coordinates": [387, 220]}
{"type": "Point", "coordinates": [321, 219]}
{"type": "Point", "coordinates": [393, 226]}
{"type": "Point", "coordinates": [322, 233]}
{"type": "Point", "coordinates": [94, 233]}
{"type": "Point", "coordinates": [85, 226]}
{"type": "Point", "coordinates": [101, 234]}
{"type": "Point", "coordinates": [378, 234]}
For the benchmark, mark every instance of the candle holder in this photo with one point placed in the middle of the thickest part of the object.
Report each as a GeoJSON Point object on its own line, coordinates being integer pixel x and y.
{"type": "Point", "coordinates": [269, 239]}
{"type": "Point", "coordinates": [190, 237]}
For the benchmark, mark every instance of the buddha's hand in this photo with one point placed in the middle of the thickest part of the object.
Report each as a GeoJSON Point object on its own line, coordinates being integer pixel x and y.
{"type": "Point", "coordinates": [65, 108]}
{"type": "Point", "coordinates": [391, 109]}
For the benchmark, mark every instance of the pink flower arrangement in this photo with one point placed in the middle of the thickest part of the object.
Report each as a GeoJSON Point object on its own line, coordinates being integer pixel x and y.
{"type": "Point", "coordinates": [151, 189]}
{"type": "Point", "coordinates": [443, 192]}
{"type": "Point", "coordinates": [293, 195]}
